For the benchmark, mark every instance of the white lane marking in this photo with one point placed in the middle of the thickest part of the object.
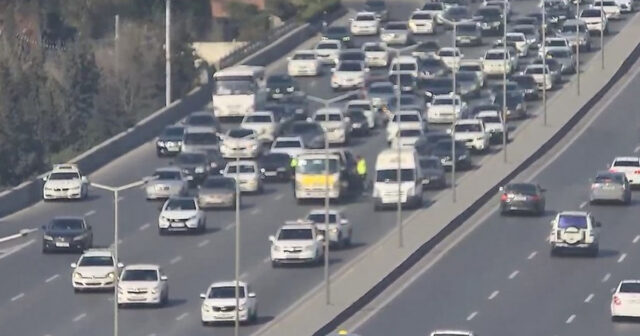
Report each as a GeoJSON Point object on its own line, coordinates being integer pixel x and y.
{"type": "Point", "coordinates": [494, 294]}
{"type": "Point", "coordinates": [152, 334]}
{"type": "Point", "coordinates": [120, 198]}
{"type": "Point", "coordinates": [571, 318]}
{"type": "Point", "coordinates": [279, 197]}
{"type": "Point", "coordinates": [606, 277]}
{"type": "Point", "coordinates": [17, 297]}
{"type": "Point", "coordinates": [622, 257]}
{"type": "Point", "coordinates": [229, 226]}
{"type": "Point", "coordinates": [244, 275]}
{"type": "Point", "coordinates": [144, 226]}
{"type": "Point", "coordinates": [89, 213]}
{"type": "Point", "coordinates": [16, 248]}
{"type": "Point", "coordinates": [588, 299]}
{"type": "Point", "coordinates": [266, 260]}
{"type": "Point", "coordinates": [513, 274]}
{"type": "Point", "coordinates": [637, 149]}
{"type": "Point", "coordinates": [583, 204]}
{"type": "Point", "coordinates": [635, 240]}
{"type": "Point", "coordinates": [175, 260]}
{"type": "Point", "coordinates": [79, 317]}
{"type": "Point", "coordinates": [472, 315]}
{"type": "Point", "coordinates": [203, 243]}
{"type": "Point", "coordinates": [532, 255]}
{"type": "Point", "coordinates": [255, 211]}
{"type": "Point", "coordinates": [612, 290]}
{"type": "Point", "coordinates": [51, 278]}
{"type": "Point", "coordinates": [181, 316]}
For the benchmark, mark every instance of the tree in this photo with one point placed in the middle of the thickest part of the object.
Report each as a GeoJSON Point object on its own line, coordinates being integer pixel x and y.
{"type": "Point", "coordinates": [284, 9]}
{"type": "Point", "coordinates": [250, 23]}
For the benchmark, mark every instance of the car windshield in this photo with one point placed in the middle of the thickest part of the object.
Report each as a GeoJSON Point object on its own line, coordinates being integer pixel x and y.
{"type": "Point", "coordinates": [287, 144]}
{"type": "Point", "coordinates": [410, 133]}
{"type": "Point", "coordinates": [96, 261]}
{"type": "Point", "coordinates": [626, 163]}
{"type": "Point", "coordinates": [373, 47]}
{"type": "Point", "coordinates": [488, 12]}
{"type": "Point", "coordinates": [590, 13]}
{"type": "Point", "coordinates": [577, 221]}
{"type": "Point", "coordinates": [404, 66]}
{"type": "Point", "coordinates": [231, 169]}
{"type": "Point", "coordinates": [365, 17]}
{"type": "Point", "coordinates": [538, 70]}
{"type": "Point", "coordinates": [429, 163]}
{"type": "Point", "coordinates": [466, 128]}
{"type": "Point", "coordinates": [356, 115]}
{"type": "Point", "coordinates": [431, 62]}
{"type": "Point", "coordinates": [200, 120]}
{"type": "Point", "coordinates": [348, 66]}
{"type": "Point", "coordinates": [295, 234]}
{"type": "Point", "coordinates": [467, 29]}
{"type": "Point", "coordinates": [240, 133]}
{"type": "Point", "coordinates": [227, 292]}
{"type": "Point", "coordinates": [316, 166]}
{"type": "Point", "coordinates": [276, 158]}
{"type": "Point", "coordinates": [521, 188]}
{"type": "Point", "coordinates": [571, 28]}
{"type": "Point", "coordinates": [352, 56]}
{"type": "Point", "coordinates": [432, 6]}
{"type": "Point", "coordinates": [439, 82]}
{"type": "Point", "coordinates": [279, 80]}
{"type": "Point", "coordinates": [180, 204]}
{"type": "Point", "coordinates": [524, 81]}
{"type": "Point", "coordinates": [304, 56]}
{"type": "Point", "coordinates": [200, 138]}
{"type": "Point", "coordinates": [470, 68]}
{"type": "Point", "coordinates": [327, 45]}
{"type": "Point", "coordinates": [358, 107]}
{"type": "Point", "coordinates": [381, 89]}
{"type": "Point", "coordinates": [515, 38]}
{"type": "Point", "coordinates": [448, 53]}
{"type": "Point", "coordinates": [396, 26]}
{"type": "Point", "coordinates": [407, 117]}
{"type": "Point", "coordinates": [258, 119]}
{"type": "Point", "coordinates": [139, 275]}
{"type": "Point", "coordinates": [446, 101]}
{"type": "Point", "coordinates": [67, 224]}
{"type": "Point", "coordinates": [421, 16]}
{"type": "Point", "coordinates": [328, 117]}
{"type": "Point", "coordinates": [225, 86]}
{"type": "Point", "coordinates": [466, 76]}
{"type": "Point", "coordinates": [556, 43]}
{"type": "Point", "coordinates": [217, 182]}
{"type": "Point", "coordinates": [630, 287]}
{"type": "Point", "coordinates": [608, 178]}
{"type": "Point", "coordinates": [166, 175]}
{"type": "Point", "coordinates": [559, 53]}
{"type": "Point", "coordinates": [173, 131]}
{"type": "Point", "coordinates": [445, 146]}
{"type": "Point", "coordinates": [320, 218]}
{"type": "Point", "coordinates": [64, 176]}
{"type": "Point", "coordinates": [404, 100]}
{"type": "Point", "coordinates": [337, 30]}
{"type": "Point", "coordinates": [191, 158]}
{"type": "Point", "coordinates": [391, 175]}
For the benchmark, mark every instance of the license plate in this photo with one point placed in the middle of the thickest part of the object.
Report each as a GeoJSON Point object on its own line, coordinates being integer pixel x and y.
{"type": "Point", "coordinates": [465, 40]}
{"type": "Point", "coordinates": [520, 198]}
{"type": "Point", "coordinates": [62, 244]}
{"type": "Point", "coordinates": [178, 224]}
{"type": "Point", "coordinates": [270, 173]}
{"type": "Point", "coordinates": [277, 95]}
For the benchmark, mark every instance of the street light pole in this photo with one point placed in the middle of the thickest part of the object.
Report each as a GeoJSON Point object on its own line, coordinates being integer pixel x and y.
{"type": "Point", "coordinates": [578, 47]}
{"type": "Point", "coordinates": [455, 117]}
{"type": "Point", "coordinates": [504, 83]}
{"type": "Point", "coordinates": [117, 42]}
{"type": "Point", "coordinates": [167, 53]}
{"type": "Point", "coordinates": [544, 63]}
{"type": "Point", "coordinates": [327, 280]}
{"type": "Point", "coordinates": [602, 17]}
{"type": "Point", "coordinates": [236, 325]}
{"type": "Point", "coordinates": [399, 170]}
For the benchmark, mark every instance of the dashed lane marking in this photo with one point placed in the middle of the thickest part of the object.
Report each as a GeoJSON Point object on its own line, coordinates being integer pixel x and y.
{"type": "Point", "coordinates": [622, 257]}
{"type": "Point", "coordinates": [51, 278]}
{"type": "Point", "coordinates": [279, 197]}
{"type": "Point", "coordinates": [17, 297]}
{"type": "Point", "coordinates": [204, 243]}
{"type": "Point", "coordinates": [145, 226]}
{"type": "Point", "coordinates": [635, 240]}
{"type": "Point", "coordinates": [229, 226]}
{"type": "Point", "coordinates": [513, 274]}
{"type": "Point", "coordinates": [583, 204]}
{"type": "Point", "coordinates": [175, 260]}
{"type": "Point", "coordinates": [255, 211]}
{"type": "Point", "coordinates": [181, 316]}
{"type": "Point", "coordinates": [637, 149]}
{"type": "Point", "coordinates": [571, 318]}
{"type": "Point", "coordinates": [589, 298]}
{"type": "Point", "coordinates": [266, 260]}
{"type": "Point", "coordinates": [494, 294]}
{"type": "Point", "coordinates": [532, 255]}
{"type": "Point", "coordinates": [79, 317]}
{"type": "Point", "coordinates": [89, 213]}
{"type": "Point", "coordinates": [606, 277]}
{"type": "Point", "coordinates": [472, 315]}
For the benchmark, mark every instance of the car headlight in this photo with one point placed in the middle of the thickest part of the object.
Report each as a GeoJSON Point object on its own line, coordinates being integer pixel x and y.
{"type": "Point", "coordinates": [276, 248]}
{"type": "Point", "coordinates": [111, 275]}
{"type": "Point", "coordinates": [77, 275]}
{"type": "Point", "coordinates": [160, 143]}
{"type": "Point", "coordinates": [206, 308]}
{"type": "Point", "coordinates": [242, 307]}
{"type": "Point", "coordinates": [155, 290]}
{"type": "Point", "coordinates": [163, 218]}
{"type": "Point", "coordinates": [199, 169]}
{"type": "Point", "coordinates": [192, 219]}
{"type": "Point", "coordinates": [80, 237]}
{"type": "Point", "coordinates": [47, 237]}
{"type": "Point", "coordinates": [75, 188]}
{"type": "Point", "coordinates": [262, 170]}
{"type": "Point", "coordinates": [48, 188]}
{"type": "Point", "coordinates": [346, 38]}
{"type": "Point", "coordinates": [411, 191]}
{"type": "Point", "coordinates": [333, 230]}
{"type": "Point", "coordinates": [290, 89]}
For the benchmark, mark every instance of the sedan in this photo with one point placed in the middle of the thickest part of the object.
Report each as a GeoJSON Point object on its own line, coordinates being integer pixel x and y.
{"type": "Point", "coordinates": [430, 67]}
{"type": "Point", "coordinates": [246, 173]}
{"type": "Point", "coordinates": [202, 119]}
{"type": "Point", "coordinates": [280, 86]}
{"type": "Point", "coordinates": [328, 51]}
{"type": "Point", "coordinates": [181, 214]}
{"type": "Point", "coordinates": [433, 174]}
{"type": "Point", "coordinates": [167, 182]}
{"type": "Point", "coordinates": [240, 143]}
{"type": "Point", "coordinates": [624, 302]}
{"type": "Point", "coordinates": [143, 284]}
{"type": "Point", "coordinates": [380, 93]}
{"type": "Point", "coordinates": [375, 54]}
{"type": "Point", "coordinates": [338, 33]}
{"type": "Point", "coordinates": [526, 197]}
{"type": "Point", "coordinates": [276, 166]}
{"type": "Point", "coordinates": [170, 141]}
{"type": "Point", "coordinates": [349, 75]}
{"type": "Point", "coordinates": [564, 56]}
{"type": "Point", "coordinates": [365, 23]}
{"type": "Point", "coordinates": [443, 151]}
{"type": "Point", "coordinates": [304, 63]}
{"type": "Point", "coordinates": [450, 56]}
{"type": "Point", "coordinates": [263, 123]}
{"type": "Point", "coordinates": [217, 192]}
{"type": "Point", "coordinates": [195, 166]}
{"type": "Point", "coordinates": [395, 33]}
{"type": "Point", "coordinates": [426, 48]}
{"type": "Point", "coordinates": [609, 186]}
{"type": "Point", "coordinates": [67, 233]}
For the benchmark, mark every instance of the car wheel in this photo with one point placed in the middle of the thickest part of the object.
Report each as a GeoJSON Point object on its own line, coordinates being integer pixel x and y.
{"type": "Point", "coordinates": [347, 241]}
{"type": "Point", "coordinates": [76, 290]}
{"type": "Point", "coordinates": [254, 316]}
{"type": "Point", "coordinates": [274, 264]}
{"type": "Point", "coordinates": [162, 232]}
{"type": "Point", "coordinates": [553, 252]}
{"type": "Point", "coordinates": [45, 250]}
{"type": "Point", "coordinates": [205, 324]}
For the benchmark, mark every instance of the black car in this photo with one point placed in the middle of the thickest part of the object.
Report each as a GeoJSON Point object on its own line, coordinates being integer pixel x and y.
{"type": "Point", "coordinates": [525, 20]}
{"type": "Point", "coordinates": [340, 33]}
{"type": "Point", "coordinates": [67, 233]}
{"type": "Point", "coordinates": [515, 104]}
{"type": "Point", "coordinates": [496, 88]}
{"type": "Point", "coordinates": [527, 84]}
{"type": "Point", "coordinates": [469, 34]}
{"type": "Point", "coordinates": [280, 86]}
{"type": "Point", "coordinates": [426, 48]}
{"type": "Point", "coordinates": [425, 144]}
{"type": "Point", "coordinates": [526, 197]}
{"type": "Point", "coordinates": [406, 81]}
{"type": "Point", "coordinates": [407, 102]}
{"type": "Point", "coordinates": [216, 161]}
{"type": "Point", "coordinates": [359, 122]}
{"type": "Point", "coordinates": [443, 150]}
{"type": "Point", "coordinates": [435, 86]}
{"type": "Point", "coordinates": [170, 141]}
{"type": "Point", "coordinates": [431, 67]}
{"type": "Point", "coordinates": [284, 114]}
{"type": "Point", "coordinates": [379, 7]}
{"type": "Point", "coordinates": [196, 165]}
{"type": "Point", "coordinates": [311, 133]}
{"type": "Point", "coordinates": [490, 19]}
{"type": "Point", "coordinates": [433, 175]}
{"type": "Point", "coordinates": [276, 166]}
{"type": "Point", "coordinates": [456, 14]}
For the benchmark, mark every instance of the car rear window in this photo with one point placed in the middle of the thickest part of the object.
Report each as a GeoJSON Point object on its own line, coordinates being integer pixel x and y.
{"type": "Point", "coordinates": [522, 188]}
{"type": "Point", "coordinates": [577, 221]}
{"type": "Point", "coordinates": [630, 287]}
{"type": "Point", "coordinates": [626, 163]}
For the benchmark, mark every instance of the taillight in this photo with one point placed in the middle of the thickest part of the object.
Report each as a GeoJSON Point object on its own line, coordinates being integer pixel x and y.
{"type": "Point", "coordinates": [637, 172]}
{"type": "Point", "coordinates": [534, 197]}
{"type": "Point", "coordinates": [503, 197]}
{"type": "Point", "coordinates": [612, 170]}
{"type": "Point", "coordinates": [616, 300]}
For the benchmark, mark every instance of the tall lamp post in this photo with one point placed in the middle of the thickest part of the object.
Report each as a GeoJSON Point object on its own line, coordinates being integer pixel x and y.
{"type": "Point", "coordinates": [116, 191]}
{"type": "Point", "coordinates": [602, 16]}
{"type": "Point", "coordinates": [544, 62]}
{"type": "Point", "coordinates": [504, 82]}
{"type": "Point", "coordinates": [578, 47]}
{"type": "Point", "coordinates": [167, 53]}
{"type": "Point", "coordinates": [236, 325]}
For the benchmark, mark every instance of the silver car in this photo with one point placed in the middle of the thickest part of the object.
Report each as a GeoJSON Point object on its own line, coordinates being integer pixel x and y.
{"type": "Point", "coordinates": [564, 56]}
{"type": "Point", "coordinates": [576, 32]}
{"type": "Point", "coordinates": [217, 191]}
{"type": "Point", "coordinates": [167, 182]}
{"type": "Point", "coordinates": [609, 186]}
{"type": "Point", "coordinates": [395, 33]}
{"type": "Point", "coordinates": [202, 119]}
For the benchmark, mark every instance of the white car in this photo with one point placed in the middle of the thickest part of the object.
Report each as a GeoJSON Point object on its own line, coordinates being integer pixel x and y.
{"type": "Point", "coordinates": [436, 9]}
{"type": "Point", "coordinates": [520, 42]}
{"type": "Point", "coordinates": [240, 143]}
{"type": "Point", "coordinates": [247, 174]}
{"type": "Point", "coordinates": [407, 119]}
{"type": "Point", "coordinates": [219, 303]}
{"type": "Point", "coordinates": [445, 109]}
{"type": "Point", "coordinates": [610, 8]}
{"type": "Point", "coordinates": [367, 108]}
{"type": "Point", "coordinates": [625, 301]}
{"type": "Point", "coordinates": [630, 166]}
{"type": "Point", "coordinates": [95, 269]}
{"type": "Point", "coordinates": [263, 123]}
{"type": "Point", "coordinates": [404, 65]}
{"type": "Point", "coordinates": [450, 57]}
{"type": "Point", "coordinates": [65, 181]}
{"type": "Point", "coordinates": [365, 23]}
{"type": "Point", "coordinates": [554, 42]}
{"type": "Point", "coordinates": [595, 20]}
{"type": "Point", "coordinates": [376, 54]}
{"type": "Point", "coordinates": [493, 124]}
{"type": "Point", "coordinates": [143, 284]}
{"type": "Point", "coordinates": [407, 137]}
{"type": "Point", "coordinates": [334, 123]}
{"type": "Point", "coordinates": [538, 71]}
{"type": "Point", "coordinates": [422, 22]}
{"type": "Point", "coordinates": [448, 332]}
{"type": "Point", "coordinates": [296, 242]}
{"type": "Point", "coordinates": [472, 133]}
{"type": "Point", "coordinates": [291, 145]}
{"type": "Point", "coordinates": [304, 63]}
{"type": "Point", "coordinates": [626, 6]}
{"type": "Point", "coordinates": [167, 182]}
{"type": "Point", "coordinates": [328, 51]}
{"type": "Point", "coordinates": [575, 230]}
{"type": "Point", "coordinates": [181, 214]}
{"type": "Point", "coordinates": [349, 75]}
{"type": "Point", "coordinates": [395, 33]}
{"type": "Point", "coordinates": [338, 232]}
{"type": "Point", "coordinates": [475, 66]}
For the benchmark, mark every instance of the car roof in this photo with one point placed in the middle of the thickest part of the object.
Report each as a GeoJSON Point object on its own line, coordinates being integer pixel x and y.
{"type": "Point", "coordinates": [304, 52]}
{"type": "Point", "coordinates": [201, 113]}
{"type": "Point", "coordinates": [97, 253]}
{"type": "Point", "coordinates": [626, 158]}
{"type": "Point", "coordinates": [198, 129]}
{"type": "Point", "coordinates": [227, 284]}
{"type": "Point", "coordinates": [365, 13]}
{"type": "Point", "coordinates": [328, 110]}
{"type": "Point", "coordinates": [488, 114]}
{"type": "Point", "coordinates": [322, 211]}
{"type": "Point", "coordinates": [288, 138]}
{"type": "Point", "coordinates": [142, 267]}
{"type": "Point", "coordinates": [445, 95]}
{"type": "Point", "coordinates": [573, 213]}
{"type": "Point", "coordinates": [261, 113]}
{"type": "Point", "coordinates": [359, 101]}
{"type": "Point", "coordinates": [65, 167]}
{"type": "Point", "coordinates": [452, 332]}
{"type": "Point", "coordinates": [468, 121]}
{"type": "Point", "coordinates": [67, 218]}
{"type": "Point", "coordinates": [609, 173]}
{"type": "Point", "coordinates": [182, 198]}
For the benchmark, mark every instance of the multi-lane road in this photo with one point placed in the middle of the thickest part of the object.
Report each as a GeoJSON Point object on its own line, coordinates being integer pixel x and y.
{"type": "Point", "coordinates": [36, 297]}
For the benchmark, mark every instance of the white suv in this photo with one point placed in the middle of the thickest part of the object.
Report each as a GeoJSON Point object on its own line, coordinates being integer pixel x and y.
{"type": "Point", "coordinates": [334, 123]}
{"type": "Point", "coordinates": [339, 230]}
{"type": "Point", "coordinates": [65, 182]}
{"type": "Point", "coordinates": [143, 284]}
{"type": "Point", "coordinates": [630, 166]}
{"type": "Point", "coordinates": [472, 133]}
{"type": "Point", "coordinates": [95, 269]}
{"type": "Point", "coordinates": [219, 303]}
{"type": "Point", "coordinates": [296, 242]}
{"type": "Point", "coordinates": [575, 230]}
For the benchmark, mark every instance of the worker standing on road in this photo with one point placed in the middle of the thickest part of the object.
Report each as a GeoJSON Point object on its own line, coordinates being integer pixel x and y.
{"type": "Point", "coordinates": [294, 164]}
{"type": "Point", "coordinates": [361, 169]}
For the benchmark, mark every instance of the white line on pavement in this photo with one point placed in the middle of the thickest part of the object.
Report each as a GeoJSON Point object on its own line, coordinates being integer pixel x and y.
{"type": "Point", "coordinates": [181, 316]}
{"type": "Point", "coordinates": [120, 198]}
{"type": "Point", "coordinates": [622, 257]}
{"type": "Point", "coordinates": [635, 240]}
{"type": "Point", "coordinates": [472, 315]}
{"type": "Point", "coordinates": [571, 318]}
{"type": "Point", "coordinates": [637, 149]}
{"type": "Point", "coordinates": [255, 211]}
{"type": "Point", "coordinates": [175, 260]}
{"type": "Point", "coordinates": [266, 259]}
{"type": "Point", "coordinates": [588, 299]}
{"type": "Point", "coordinates": [532, 255]}
{"type": "Point", "coordinates": [79, 317]}
{"type": "Point", "coordinates": [89, 213]}
{"type": "Point", "coordinates": [244, 275]}
{"type": "Point", "coordinates": [494, 294]}
{"type": "Point", "coordinates": [606, 277]}
{"type": "Point", "coordinates": [279, 197]}
{"type": "Point", "coordinates": [17, 297]}
{"type": "Point", "coordinates": [51, 278]}
{"type": "Point", "coordinates": [513, 274]}
{"type": "Point", "coordinates": [583, 204]}
{"type": "Point", "coordinates": [145, 226]}
{"type": "Point", "coordinates": [16, 248]}
{"type": "Point", "coordinates": [229, 226]}
{"type": "Point", "coordinates": [203, 243]}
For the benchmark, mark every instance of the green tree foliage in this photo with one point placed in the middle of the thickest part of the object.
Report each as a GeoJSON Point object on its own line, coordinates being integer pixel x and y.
{"type": "Point", "coordinates": [284, 9]}
{"type": "Point", "coordinates": [251, 23]}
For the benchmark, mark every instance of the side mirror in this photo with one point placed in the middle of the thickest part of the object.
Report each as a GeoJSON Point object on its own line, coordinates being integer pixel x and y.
{"type": "Point", "coordinates": [320, 238]}
{"type": "Point", "coordinates": [252, 295]}
{"type": "Point", "coordinates": [501, 189]}
{"type": "Point", "coordinates": [120, 265]}
{"type": "Point", "coordinates": [163, 278]}
{"type": "Point", "coordinates": [344, 222]}
{"type": "Point", "coordinates": [272, 239]}
{"type": "Point", "coordinates": [74, 265]}
{"type": "Point", "coordinates": [203, 295]}
{"type": "Point", "coordinates": [221, 171]}
{"type": "Point", "coordinates": [44, 227]}
{"type": "Point", "coordinates": [333, 70]}
{"type": "Point", "coordinates": [146, 179]}
{"type": "Point", "coordinates": [45, 178]}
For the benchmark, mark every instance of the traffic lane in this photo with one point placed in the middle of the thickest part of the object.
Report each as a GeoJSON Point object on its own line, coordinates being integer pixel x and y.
{"type": "Point", "coordinates": [566, 179]}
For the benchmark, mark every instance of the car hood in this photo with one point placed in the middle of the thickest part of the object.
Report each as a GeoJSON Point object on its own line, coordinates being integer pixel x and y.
{"type": "Point", "coordinates": [432, 172]}
{"type": "Point", "coordinates": [223, 302]}
{"type": "Point", "coordinates": [272, 165]}
{"type": "Point", "coordinates": [215, 191]}
{"type": "Point", "coordinates": [394, 31]}
{"type": "Point", "coordinates": [243, 176]}
{"type": "Point", "coordinates": [64, 233]}
{"type": "Point", "coordinates": [237, 142]}
{"type": "Point", "coordinates": [468, 135]}
{"type": "Point", "coordinates": [331, 124]}
{"type": "Point", "coordinates": [95, 271]}
{"type": "Point", "coordinates": [162, 183]}
{"type": "Point", "coordinates": [293, 243]}
{"type": "Point", "coordinates": [63, 183]}
{"type": "Point", "coordinates": [169, 138]}
{"type": "Point", "coordinates": [148, 285]}
{"type": "Point", "coordinates": [179, 214]}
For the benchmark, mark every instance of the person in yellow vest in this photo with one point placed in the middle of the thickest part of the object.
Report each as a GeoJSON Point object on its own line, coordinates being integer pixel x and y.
{"type": "Point", "coordinates": [361, 169]}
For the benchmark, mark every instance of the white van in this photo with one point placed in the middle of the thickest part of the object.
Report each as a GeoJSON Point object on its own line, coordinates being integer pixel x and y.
{"type": "Point", "coordinates": [385, 187]}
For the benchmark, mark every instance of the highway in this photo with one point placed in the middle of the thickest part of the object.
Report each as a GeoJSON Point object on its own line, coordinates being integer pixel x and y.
{"type": "Point", "coordinates": [36, 288]}
{"type": "Point", "coordinates": [500, 279]}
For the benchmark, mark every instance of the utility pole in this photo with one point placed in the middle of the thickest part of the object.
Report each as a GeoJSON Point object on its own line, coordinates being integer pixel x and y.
{"type": "Point", "coordinates": [504, 83]}
{"type": "Point", "coordinates": [399, 171]}
{"type": "Point", "coordinates": [117, 46]}
{"type": "Point", "coordinates": [327, 280]}
{"type": "Point", "coordinates": [167, 53]}
{"type": "Point", "coordinates": [578, 47]}
{"type": "Point", "coordinates": [455, 117]}
{"type": "Point", "coordinates": [236, 325]}
{"type": "Point", "coordinates": [544, 63]}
